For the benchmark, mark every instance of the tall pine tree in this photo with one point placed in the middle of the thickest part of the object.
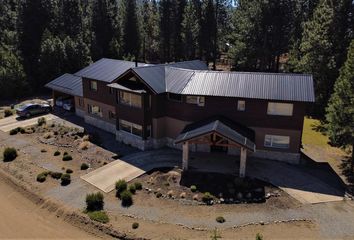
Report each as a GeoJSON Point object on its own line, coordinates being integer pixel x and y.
{"type": "Point", "coordinates": [131, 36]}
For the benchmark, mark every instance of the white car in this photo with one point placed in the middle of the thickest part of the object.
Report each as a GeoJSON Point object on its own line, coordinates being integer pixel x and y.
{"type": "Point", "coordinates": [68, 105]}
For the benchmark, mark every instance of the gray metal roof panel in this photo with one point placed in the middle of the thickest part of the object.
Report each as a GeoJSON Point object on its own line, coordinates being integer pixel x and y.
{"type": "Point", "coordinates": [220, 128]}
{"type": "Point", "coordinates": [121, 87]}
{"type": "Point", "coordinates": [67, 83]}
{"type": "Point", "coordinates": [270, 86]}
{"type": "Point", "coordinates": [154, 76]}
{"type": "Point", "coordinates": [106, 70]}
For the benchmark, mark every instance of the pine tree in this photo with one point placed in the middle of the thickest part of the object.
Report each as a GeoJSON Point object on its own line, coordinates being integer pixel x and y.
{"type": "Point", "coordinates": [166, 30]}
{"type": "Point", "coordinates": [340, 110]}
{"type": "Point", "coordinates": [208, 26]}
{"type": "Point", "coordinates": [190, 31]}
{"type": "Point", "coordinates": [317, 55]}
{"type": "Point", "coordinates": [131, 36]}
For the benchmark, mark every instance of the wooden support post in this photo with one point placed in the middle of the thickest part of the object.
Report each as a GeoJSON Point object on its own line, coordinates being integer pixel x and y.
{"type": "Point", "coordinates": [243, 159]}
{"type": "Point", "coordinates": [185, 149]}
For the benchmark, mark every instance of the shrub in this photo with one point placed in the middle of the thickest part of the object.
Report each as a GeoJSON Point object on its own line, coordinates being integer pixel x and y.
{"type": "Point", "coordinates": [56, 153]}
{"type": "Point", "coordinates": [69, 171]}
{"type": "Point", "coordinates": [121, 185]}
{"type": "Point", "coordinates": [135, 225]}
{"type": "Point", "coordinates": [17, 130]}
{"type": "Point", "coordinates": [41, 177]}
{"type": "Point", "coordinates": [9, 154]}
{"type": "Point", "coordinates": [94, 201]}
{"type": "Point", "coordinates": [41, 121]}
{"type": "Point", "coordinates": [126, 197]}
{"type": "Point", "coordinates": [138, 186]}
{"type": "Point", "coordinates": [158, 194]}
{"type": "Point", "coordinates": [65, 153]}
{"type": "Point", "coordinates": [99, 216]}
{"type": "Point", "coordinates": [8, 113]}
{"type": "Point", "coordinates": [65, 179]}
{"type": "Point", "coordinates": [193, 188]}
{"type": "Point", "coordinates": [21, 130]}
{"type": "Point", "coordinates": [132, 189]}
{"type": "Point", "coordinates": [56, 175]}
{"type": "Point", "coordinates": [13, 131]}
{"type": "Point", "coordinates": [207, 197]}
{"type": "Point", "coordinates": [220, 219]}
{"type": "Point", "coordinates": [259, 236]}
{"type": "Point", "coordinates": [84, 145]}
{"type": "Point", "coordinates": [67, 157]}
{"type": "Point", "coordinates": [43, 150]}
{"type": "Point", "coordinates": [84, 166]}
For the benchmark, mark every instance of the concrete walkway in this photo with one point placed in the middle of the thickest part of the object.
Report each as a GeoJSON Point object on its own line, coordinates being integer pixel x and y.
{"type": "Point", "coordinates": [9, 123]}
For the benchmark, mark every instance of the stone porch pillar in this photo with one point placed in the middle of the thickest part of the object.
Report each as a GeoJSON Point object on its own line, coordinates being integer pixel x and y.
{"type": "Point", "coordinates": [243, 158]}
{"type": "Point", "coordinates": [185, 149]}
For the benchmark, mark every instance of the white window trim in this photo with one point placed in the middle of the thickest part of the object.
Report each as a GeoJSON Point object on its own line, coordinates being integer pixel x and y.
{"type": "Point", "coordinates": [271, 141]}
{"type": "Point", "coordinates": [199, 102]}
{"type": "Point", "coordinates": [238, 105]}
{"type": "Point", "coordinates": [94, 114]}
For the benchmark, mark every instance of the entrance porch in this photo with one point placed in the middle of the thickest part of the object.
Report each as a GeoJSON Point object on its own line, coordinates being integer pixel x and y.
{"type": "Point", "coordinates": [215, 133]}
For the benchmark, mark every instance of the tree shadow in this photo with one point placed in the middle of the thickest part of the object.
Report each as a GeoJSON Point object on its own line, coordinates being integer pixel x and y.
{"type": "Point", "coordinates": [346, 169]}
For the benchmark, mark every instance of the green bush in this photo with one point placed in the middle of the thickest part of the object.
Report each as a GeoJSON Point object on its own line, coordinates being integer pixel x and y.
{"type": "Point", "coordinates": [94, 201]}
{"type": "Point", "coordinates": [65, 179]}
{"type": "Point", "coordinates": [67, 157]}
{"type": "Point", "coordinates": [193, 188]}
{"type": "Point", "coordinates": [207, 197]}
{"type": "Point", "coordinates": [41, 177]}
{"type": "Point", "coordinates": [69, 171]}
{"type": "Point", "coordinates": [8, 113]}
{"type": "Point", "coordinates": [121, 185]}
{"type": "Point", "coordinates": [56, 153]}
{"type": "Point", "coordinates": [65, 153]}
{"type": "Point", "coordinates": [138, 186]}
{"type": "Point", "coordinates": [84, 166]}
{"type": "Point", "coordinates": [41, 121]}
{"type": "Point", "coordinates": [126, 197]}
{"type": "Point", "coordinates": [132, 189]}
{"type": "Point", "coordinates": [21, 130]}
{"type": "Point", "coordinates": [13, 131]}
{"type": "Point", "coordinates": [220, 219]}
{"type": "Point", "coordinates": [135, 225]}
{"type": "Point", "coordinates": [9, 154]}
{"type": "Point", "coordinates": [56, 175]}
{"type": "Point", "coordinates": [99, 216]}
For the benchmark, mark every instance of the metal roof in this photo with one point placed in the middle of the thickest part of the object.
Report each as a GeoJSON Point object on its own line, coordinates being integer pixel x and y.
{"type": "Point", "coordinates": [220, 128]}
{"type": "Point", "coordinates": [270, 86]}
{"type": "Point", "coordinates": [67, 83]}
{"type": "Point", "coordinates": [107, 70]}
{"type": "Point", "coordinates": [121, 87]}
{"type": "Point", "coordinates": [155, 76]}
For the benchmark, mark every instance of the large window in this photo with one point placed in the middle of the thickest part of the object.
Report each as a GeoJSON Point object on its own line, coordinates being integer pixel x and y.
{"type": "Point", "coordinates": [174, 97]}
{"type": "Point", "coordinates": [198, 100]}
{"type": "Point", "coordinates": [94, 110]}
{"type": "Point", "coordinates": [276, 141]}
{"type": "Point", "coordinates": [93, 85]}
{"type": "Point", "coordinates": [130, 127]}
{"type": "Point", "coordinates": [130, 99]}
{"type": "Point", "coordinates": [281, 109]}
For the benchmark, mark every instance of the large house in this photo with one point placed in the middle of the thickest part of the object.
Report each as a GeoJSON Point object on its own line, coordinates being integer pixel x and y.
{"type": "Point", "coordinates": [184, 105]}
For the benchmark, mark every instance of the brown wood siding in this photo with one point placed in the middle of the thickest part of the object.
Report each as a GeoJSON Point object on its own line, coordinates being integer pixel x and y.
{"type": "Point", "coordinates": [101, 95]}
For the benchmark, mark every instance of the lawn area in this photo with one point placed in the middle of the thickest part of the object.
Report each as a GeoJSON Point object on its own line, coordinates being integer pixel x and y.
{"type": "Point", "coordinates": [311, 135]}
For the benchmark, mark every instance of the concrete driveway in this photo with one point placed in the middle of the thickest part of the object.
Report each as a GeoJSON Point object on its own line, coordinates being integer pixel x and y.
{"type": "Point", "coordinates": [8, 123]}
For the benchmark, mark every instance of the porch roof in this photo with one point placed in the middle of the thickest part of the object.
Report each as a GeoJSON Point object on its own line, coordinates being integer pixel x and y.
{"type": "Point", "coordinates": [216, 126]}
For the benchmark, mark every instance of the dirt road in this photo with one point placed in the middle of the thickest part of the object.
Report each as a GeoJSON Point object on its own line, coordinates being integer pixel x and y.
{"type": "Point", "coordinates": [21, 218]}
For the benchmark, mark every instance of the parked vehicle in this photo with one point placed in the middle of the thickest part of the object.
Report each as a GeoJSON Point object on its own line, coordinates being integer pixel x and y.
{"type": "Point", "coordinates": [29, 110]}
{"type": "Point", "coordinates": [68, 105]}
{"type": "Point", "coordinates": [60, 101]}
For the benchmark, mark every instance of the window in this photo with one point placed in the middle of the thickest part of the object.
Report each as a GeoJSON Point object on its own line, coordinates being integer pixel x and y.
{"type": "Point", "coordinates": [281, 109]}
{"type": "Point", "coordinates": [81, 102]}
{"type": "Point", "coordinates": [130, 127]}
{"type": "Point", "coordinates": [241, 105]}
{"type": "Point", "coordinates": [112, 115]}
{"type": "Point", "coordinates": [93, 85]}
{"type": "Point", "coordinates": [200, 101]}
{"type": "Point", "coordinates": [94, 110]}
{"type": "Point", "coordinates": [276, 141]}
{"type": "Point", "coordinates": [130, 99]}
{"type": "Point", "coordinates": [174, 97]}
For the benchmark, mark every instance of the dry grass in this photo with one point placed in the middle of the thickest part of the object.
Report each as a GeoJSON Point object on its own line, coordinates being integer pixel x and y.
{"type": "Point", "coordinates": [84, 145]}
{"type": "Point", "coordinates": [47, 135]}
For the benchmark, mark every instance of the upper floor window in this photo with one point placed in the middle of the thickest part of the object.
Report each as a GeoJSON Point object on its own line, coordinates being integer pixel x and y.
{"type": "Point", "coordinates": [276, 141]}
{"type": "Point", "coordinates": [200, 101]}
{"type": "Point", "coordinates": [94, 110]}
{"type": "Point", "coordinates": [130, 99]}
{"type": "Point", "coordinates": [281, 109]}
{"type": "Point", "coordinates": [241, 105]}
{"type": "Point", "coordinates": [174, 97]}
{"type": "Point", "coordinates": [93, 85]}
